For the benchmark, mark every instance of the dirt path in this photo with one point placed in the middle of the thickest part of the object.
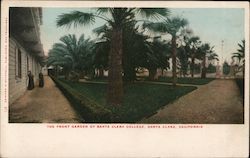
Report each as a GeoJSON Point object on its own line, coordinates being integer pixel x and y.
{"type": "Point", "coordinates": [216, 102]}
{"type": "Point", "coordinates": [45, 105]}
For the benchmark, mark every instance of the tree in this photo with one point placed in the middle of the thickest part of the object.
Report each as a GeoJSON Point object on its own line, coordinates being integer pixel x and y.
{"type": "Point", "coordinates": [183, 60]}
{"type": "Point", "coordinates": [156, 55]}
{"type": "Point", "coordinates": [226, 68]}
{"type": "Point", "coordinates": [206, 52]}
{"type": "Point", "coordinates": [71, 54]}
{"type": "Point", "coordinates": [117, 19]}
{"type": "Point", "coordinates": [172, 26]}
{"type": "Point", "coordinates": [211, 68]}
{"type": "Point", "coordinates": [240, 55]}
{"type": "Point", "coordinates": [192, 45]}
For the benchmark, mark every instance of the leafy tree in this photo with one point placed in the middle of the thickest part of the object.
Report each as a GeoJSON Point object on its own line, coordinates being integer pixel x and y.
{"type": "Point", "coordinates": [117, 19]}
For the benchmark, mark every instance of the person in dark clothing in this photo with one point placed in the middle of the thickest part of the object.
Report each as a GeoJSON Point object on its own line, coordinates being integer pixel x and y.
{"type": "Point", "coordinates": [41, 80]}
{"type": "Point", "coordinates": [31, 81]}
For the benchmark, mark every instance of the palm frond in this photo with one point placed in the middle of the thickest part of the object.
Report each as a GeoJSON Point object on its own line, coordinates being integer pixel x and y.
{"type": "Point", "coordinates": [156, 27]}
{"type": "Point", "coordinates": [104, 10]}
{"type": "Point", "coordinates": [153, 13]}
{"type": "Point", "coordinates": [75, 18]}
{"type": "Point", "coordinates": [175, 23]}
{"type": "Point", "coordinates": [102, 29]}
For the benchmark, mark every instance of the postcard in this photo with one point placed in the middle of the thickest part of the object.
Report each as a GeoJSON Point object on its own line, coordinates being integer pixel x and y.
{"type": "Point", "coordinates": [124, 79]}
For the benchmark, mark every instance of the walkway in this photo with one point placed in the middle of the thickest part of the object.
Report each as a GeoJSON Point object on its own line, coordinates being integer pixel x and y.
{"type": "Point", "coordinates": [43, 105]}
{"type": "Point", "coordinates": [216, 102]}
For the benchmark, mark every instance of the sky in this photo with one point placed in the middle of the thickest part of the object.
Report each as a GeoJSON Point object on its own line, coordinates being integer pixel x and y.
{"type": "Point", "coordinates": [211, 25]}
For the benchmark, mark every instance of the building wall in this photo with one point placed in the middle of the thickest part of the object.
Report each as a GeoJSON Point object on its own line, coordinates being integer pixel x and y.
{"type": "Point", "coordinates": [17, 86]}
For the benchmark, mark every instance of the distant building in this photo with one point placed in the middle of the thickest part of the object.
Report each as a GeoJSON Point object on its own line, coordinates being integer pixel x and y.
{"type": "Point", "coordinates": [25, 48]}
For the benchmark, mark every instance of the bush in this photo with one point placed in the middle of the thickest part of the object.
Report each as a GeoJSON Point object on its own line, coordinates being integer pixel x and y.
{"type": "Point", "coordinates": [87, 108]}
{"type": "Point", "coordinates": [226, 68]}
{"type": "Point", "coordinates": [211, 68]}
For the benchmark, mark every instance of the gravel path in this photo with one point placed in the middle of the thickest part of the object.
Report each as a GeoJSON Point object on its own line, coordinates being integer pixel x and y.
{"type": "Point", "coordinates": [217, 102]}
{"type": "Point", "coordinates": [46, 105]}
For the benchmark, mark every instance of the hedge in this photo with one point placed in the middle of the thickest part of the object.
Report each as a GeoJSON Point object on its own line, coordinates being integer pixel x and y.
{"type": "Point", "coordinates": [89, 110]}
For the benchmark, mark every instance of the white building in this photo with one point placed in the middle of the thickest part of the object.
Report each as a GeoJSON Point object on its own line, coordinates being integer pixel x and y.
{"type": "Point", "coordinates": [25, 48]}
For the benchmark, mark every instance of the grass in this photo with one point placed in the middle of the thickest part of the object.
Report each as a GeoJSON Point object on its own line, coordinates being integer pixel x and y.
{"type": "Point", "coordinates": [140, 100]}
{"type": "Point", "coordinates": [186, 80]}
{"type": "Point", "coordinates": [102, 79]}
{"type": "Point", "coordinates": [194, 81]}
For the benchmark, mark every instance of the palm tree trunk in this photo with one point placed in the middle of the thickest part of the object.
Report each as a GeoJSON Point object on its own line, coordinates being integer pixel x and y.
{"type": "Point", "coordinates": [192, 66]}
{"type": "Point", "coordinates": [152, 74]}
{"type": "Point", "coordinates": [115, 84]}
{"type": "Point", "coordinates": [174, 74]}
{"type": "Point", "coordinates": [203, 72]}
{"type": "Point", "coordinates": [101, 72]}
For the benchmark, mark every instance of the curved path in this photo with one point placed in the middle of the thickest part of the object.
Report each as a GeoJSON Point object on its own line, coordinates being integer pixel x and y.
{"type": "Point", "coordinates": [216, 102]}
{"type": "Point", "coordinates": [44, 105]}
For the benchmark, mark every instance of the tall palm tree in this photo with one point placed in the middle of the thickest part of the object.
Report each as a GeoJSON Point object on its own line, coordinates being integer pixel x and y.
{"type": "Point", "coordinates": [206, 52]}
{"type": "Point", "coordinates": [174, 27]}
{"type": "Point", "coordinates": [117, 19]}
{"type": "Point", "coordinates": [240, 55]}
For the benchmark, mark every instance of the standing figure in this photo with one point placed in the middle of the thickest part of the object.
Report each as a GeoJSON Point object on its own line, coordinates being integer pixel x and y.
{"type": "Point", "coordinates": [41, 80]}
{"type": "Point", "coordinates": [31, 81]}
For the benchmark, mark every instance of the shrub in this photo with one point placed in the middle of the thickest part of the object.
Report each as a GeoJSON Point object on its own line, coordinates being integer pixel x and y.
{"type": "Point", "coordinates": [211, 68]}
{"type": "Point", "coordinates": [87, 108]}
{"type": "Point", "coordinates": [226, 68]}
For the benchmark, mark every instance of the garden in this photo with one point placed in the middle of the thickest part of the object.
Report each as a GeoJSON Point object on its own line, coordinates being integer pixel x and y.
{"type": "Point", "coordinates": [125, 47]}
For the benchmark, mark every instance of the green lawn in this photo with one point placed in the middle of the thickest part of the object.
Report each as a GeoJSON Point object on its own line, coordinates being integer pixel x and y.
{"type": "Point", "coordinates": [186, 80]}
{"type": "Point", "coordinates": [140, 100]}
{"type": "Point", "coordinates": [195, 81]}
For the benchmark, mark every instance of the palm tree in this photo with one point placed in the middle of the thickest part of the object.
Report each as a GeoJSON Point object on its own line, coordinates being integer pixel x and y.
{"type": "Point", "coordinates": [206, 52]}
{"type": "Point", "coordinates": [71, 54]}
{"type": "Point", "coordinates": [192, 45]}
{"type": "Point", "coordinates": [240, 55]}
{"type": "Point", "coordinates": [182, 55]}
{"type": "Point", "coordinates": [117, 19]}
{"type": "Point", "coordinates": [172, 26]}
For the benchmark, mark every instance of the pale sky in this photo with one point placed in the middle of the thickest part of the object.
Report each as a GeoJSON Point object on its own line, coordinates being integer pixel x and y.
{"type": "Point", "coordinates": [211, 25]}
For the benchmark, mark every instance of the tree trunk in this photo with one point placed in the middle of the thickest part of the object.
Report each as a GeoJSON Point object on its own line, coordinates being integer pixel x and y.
{"type": "Point", "coordinates": [192, 66]}
{"type": "Point", "coordinates": [152, 74]}
{"type": "Point", "coordinates": [129, 73]}
{"type": "Point", "coordinates": [115, 84]}
{"type": "Point", "coordinates": [203, 72]}
{"type": "Point", "coordinates": [101, 72]}
{"type": "Point", "coordinates": [174, 74]}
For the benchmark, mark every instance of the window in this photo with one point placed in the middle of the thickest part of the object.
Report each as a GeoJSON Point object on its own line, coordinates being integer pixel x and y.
{"type": "Point", "coordinates": [18, 63]}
